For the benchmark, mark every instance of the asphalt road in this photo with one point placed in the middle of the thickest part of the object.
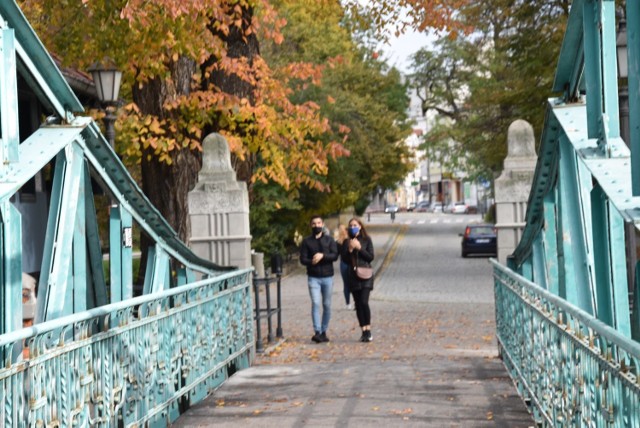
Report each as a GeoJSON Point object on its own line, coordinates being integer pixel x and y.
{"type": "Point", "coordinates": [428, 259]}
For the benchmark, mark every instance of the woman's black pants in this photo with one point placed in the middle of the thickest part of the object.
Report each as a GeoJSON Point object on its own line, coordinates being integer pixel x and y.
{"type": "Point", "coordinates": [361, 299]}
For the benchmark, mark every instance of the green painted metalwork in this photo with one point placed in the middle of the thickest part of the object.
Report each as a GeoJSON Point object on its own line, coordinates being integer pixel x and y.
{"type": "Point", "coordinates": [99, 358]}
{"type": "Point", "coordinates": [8, 99]}
{"type": "Point", "coordinates": [574, 369]}
{"type": "Point", "coordinates": [633, 59]}
{"type": "Point", "coordinates": [10, 268]}
{"type": "Point", "coordinates": [40, 70]}
{"type": "Point", "coordinates": [166, 346]}
{"type": "Point", "coordinates": [96, 284]}
{"type": "Point", "coordinates": [120, 254]}
{"type": "Point", "coordinates": [550, 241]}
{"type": "Point", "coordinates": [56, 267]}
{"type": "Point", "coordinates": [79, 278]}
{"type": "Point", "coordinates": [577, 257]}
{"type": "Point", "coordinates": [567, 339]}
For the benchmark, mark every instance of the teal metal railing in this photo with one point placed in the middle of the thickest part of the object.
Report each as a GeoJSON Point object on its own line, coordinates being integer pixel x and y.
{"type": "Point", "coordinates": [568, 317]}
{"type": "Point", "coordinates": [573, 369]}
{"type": "Point", "coordinates": [96, 355]}
{"type": "Point", "coordinates": [134, 363]}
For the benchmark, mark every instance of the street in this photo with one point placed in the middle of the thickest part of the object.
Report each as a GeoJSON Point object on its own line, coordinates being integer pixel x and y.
{"type": "Point", "coordinates": [428, 259]}
{"type": "Point", "coordinates": [433, 360]}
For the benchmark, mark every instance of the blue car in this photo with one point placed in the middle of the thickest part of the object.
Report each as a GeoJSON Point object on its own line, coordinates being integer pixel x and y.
{"type": "Point", "coordinates": [479, 239]}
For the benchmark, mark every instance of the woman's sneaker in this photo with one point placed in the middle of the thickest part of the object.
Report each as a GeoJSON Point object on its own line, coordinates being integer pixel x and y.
{"type": "Point", "coordinates": [369, 337]}
{"type": "Point", "coordinates": [363, 338]}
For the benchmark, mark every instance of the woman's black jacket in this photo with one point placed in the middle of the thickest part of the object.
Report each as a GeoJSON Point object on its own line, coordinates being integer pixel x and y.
{"type": "Point", "coordinates": [362, 257]}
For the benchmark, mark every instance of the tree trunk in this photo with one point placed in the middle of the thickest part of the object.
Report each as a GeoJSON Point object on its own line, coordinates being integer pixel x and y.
{"type": "Point", "coordinates": [165, 185]}
{"type": "Point", "coordinates": [238, 46]}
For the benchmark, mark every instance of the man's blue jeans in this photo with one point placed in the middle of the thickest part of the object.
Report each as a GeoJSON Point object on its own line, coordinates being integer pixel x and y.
{"type": "Point", "coordinates": [320, 291]}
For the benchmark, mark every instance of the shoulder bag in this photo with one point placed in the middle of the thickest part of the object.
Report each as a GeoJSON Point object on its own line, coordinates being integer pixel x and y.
{"type": "Point", "coordinates": [363, 273]}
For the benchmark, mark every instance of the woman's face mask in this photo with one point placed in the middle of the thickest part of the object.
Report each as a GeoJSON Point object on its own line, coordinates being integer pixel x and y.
{"type": "Point", "coordinates": [353, 231]}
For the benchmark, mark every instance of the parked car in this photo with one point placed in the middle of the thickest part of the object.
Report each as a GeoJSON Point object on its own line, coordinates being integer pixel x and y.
{"type": "Point", "coordinates": [436, 207]}
{"type": "Point", "coordinates": [460, 208]}
{"type": "Point", "coordinates": [423, 206]}
{"type": "Point", "coordinates": [411, 207]}
{"type": "Point", "coordinates": [479, 238]}
{"type": "Point", "coordinates": [391, 209]}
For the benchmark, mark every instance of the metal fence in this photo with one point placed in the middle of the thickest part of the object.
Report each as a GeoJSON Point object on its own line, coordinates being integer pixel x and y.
{"type": "Point", "coordinates": [137, 362]}
{"type": "Point", "coordinates": [572, 369]}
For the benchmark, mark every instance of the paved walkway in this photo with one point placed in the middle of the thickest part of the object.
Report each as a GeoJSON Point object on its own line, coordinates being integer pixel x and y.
{"type": "Point", "coordinates": [430, 365]}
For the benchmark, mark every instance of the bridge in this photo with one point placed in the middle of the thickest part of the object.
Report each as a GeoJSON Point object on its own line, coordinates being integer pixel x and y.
{"type": "Point", "coordinates": [96, 355]}
{"type": "Point", "coordinates": [567, 318]}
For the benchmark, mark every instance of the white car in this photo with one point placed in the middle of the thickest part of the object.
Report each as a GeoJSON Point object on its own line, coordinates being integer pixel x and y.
{"type": "Point", "coordinates": [391, 209]}
{"type": "Point", "coordinates": [460, 208]}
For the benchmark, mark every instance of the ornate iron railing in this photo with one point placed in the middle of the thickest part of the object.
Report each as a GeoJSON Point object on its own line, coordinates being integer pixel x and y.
{"type": "Point", "coordinates": [132, 363]}
{"type": "Point", "coordinates": [573, 369]}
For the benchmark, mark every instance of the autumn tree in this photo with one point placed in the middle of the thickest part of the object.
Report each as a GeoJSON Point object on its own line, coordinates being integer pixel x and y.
{"type": "Point", "coordinates": [357, 92]}
{"type": "Point", "coordinates": [193, 67]}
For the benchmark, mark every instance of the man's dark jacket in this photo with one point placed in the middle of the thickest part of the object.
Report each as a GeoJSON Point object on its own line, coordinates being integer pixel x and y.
{"type": "Point", "coordinates": [325, 245]}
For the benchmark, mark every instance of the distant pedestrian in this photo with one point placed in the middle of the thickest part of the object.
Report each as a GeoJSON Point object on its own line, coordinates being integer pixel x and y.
{"type": "Point", "coordinates": [318, 252]}
{"type": "Point", "coordinates": [358, 249]}
{"type": "Point", "coordinates": [344, 266]}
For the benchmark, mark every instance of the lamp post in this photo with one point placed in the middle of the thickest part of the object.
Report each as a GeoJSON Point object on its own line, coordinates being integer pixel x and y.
{"type": "Point", "coordinates": [107, 79]}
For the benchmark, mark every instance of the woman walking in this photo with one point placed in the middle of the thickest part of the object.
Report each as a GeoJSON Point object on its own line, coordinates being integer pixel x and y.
{"type": "Point", "coordinates": [344, 265]}
{"type": "Point", "coordinates": [358, 251]}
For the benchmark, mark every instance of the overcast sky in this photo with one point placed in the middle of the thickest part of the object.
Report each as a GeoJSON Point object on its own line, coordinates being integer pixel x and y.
{"type": "Point", "coordinates": [398, 51]}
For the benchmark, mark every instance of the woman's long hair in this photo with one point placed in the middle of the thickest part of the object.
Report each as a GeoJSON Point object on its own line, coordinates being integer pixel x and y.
{"type": "Point", "coordinates": [363, 231]}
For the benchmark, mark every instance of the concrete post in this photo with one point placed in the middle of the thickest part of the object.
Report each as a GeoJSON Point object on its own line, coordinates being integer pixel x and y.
{"type": "Point", "coordinates": [219, 209]}
{"type": "Point", "coordinates": [513, 186]}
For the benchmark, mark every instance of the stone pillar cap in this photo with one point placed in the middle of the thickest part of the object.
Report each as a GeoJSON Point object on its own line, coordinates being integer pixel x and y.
{"type": "Point", "coordinates": [520, 140]}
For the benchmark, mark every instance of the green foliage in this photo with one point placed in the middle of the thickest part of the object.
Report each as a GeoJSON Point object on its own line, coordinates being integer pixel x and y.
{"type": "Point", "coordinates": [273, 218]}
{"type": "Point", "coordinates": [357, 93]}
{"type": "Point", "coordinates": [482, 82]}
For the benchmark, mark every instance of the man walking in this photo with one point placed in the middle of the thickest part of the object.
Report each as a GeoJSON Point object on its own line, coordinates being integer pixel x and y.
{"type": "Point", "coordinates": [318, 252]}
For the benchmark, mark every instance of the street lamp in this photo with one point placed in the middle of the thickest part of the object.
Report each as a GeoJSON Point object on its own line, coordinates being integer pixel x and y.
{"type": "Point", "coordinates": [107, 79]}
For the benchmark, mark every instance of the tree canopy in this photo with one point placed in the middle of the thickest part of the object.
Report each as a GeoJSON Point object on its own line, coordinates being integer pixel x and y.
{"type": "Point", "coordinates": [484, 80]}
{"type": "Point", "coordinates": [292, 114]}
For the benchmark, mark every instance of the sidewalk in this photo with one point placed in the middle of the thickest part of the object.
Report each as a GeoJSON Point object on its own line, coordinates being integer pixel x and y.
{"type": "Point", "coordinates": [429, 365]}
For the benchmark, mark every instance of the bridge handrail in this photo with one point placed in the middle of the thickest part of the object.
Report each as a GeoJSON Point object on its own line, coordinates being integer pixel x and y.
{"type": "Point", "coordinates": [99, 153]}
{"type": "Point", "coordinates": [612, 335]}
{"type": "Point", "coordinates": [571, 368]}
{"type": "Point", "coordinates": [49, 326]}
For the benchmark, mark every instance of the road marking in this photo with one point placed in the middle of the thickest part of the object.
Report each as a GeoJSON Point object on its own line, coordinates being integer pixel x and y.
{"type": "Point", "coordinates": [422, 221]}
{"type": "Point", "coordinates": [434, 221]}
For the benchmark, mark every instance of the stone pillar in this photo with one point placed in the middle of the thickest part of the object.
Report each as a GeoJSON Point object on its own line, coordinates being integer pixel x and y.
{"type": "Point", "coordinates": [513, 186]}
{"type": "Point", "coordinates": [219, 209]}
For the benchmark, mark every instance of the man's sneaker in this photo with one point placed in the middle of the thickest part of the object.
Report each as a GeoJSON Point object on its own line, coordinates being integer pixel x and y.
{"type": "Point", "coordinates": [323, 337]}
{"type": "Point", "coordinates": [317, 337]}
